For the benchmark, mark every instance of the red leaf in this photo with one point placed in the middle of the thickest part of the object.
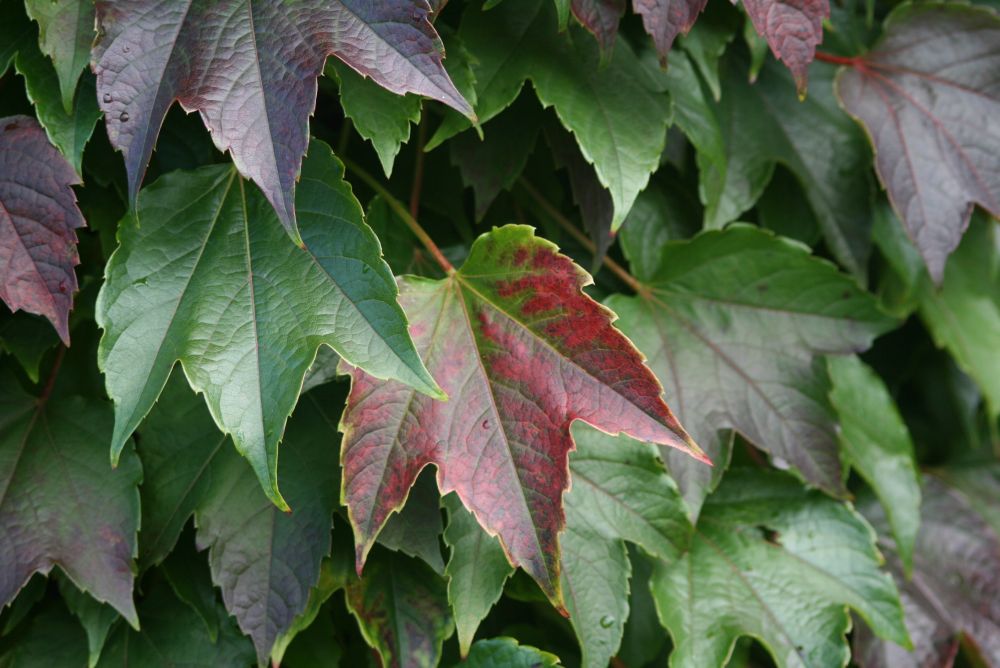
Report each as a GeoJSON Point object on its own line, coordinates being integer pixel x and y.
{"type": "Point", "coordinates": [250, 68]}
{"type": "Point", "coordinates": [929, 97]}
{"type": "Point", "coordinates": [522, 353]}
{"type": "Point", "coordinates": [601, 18]}
{"type": "Point", "coordinates": [792, 28]}
{"type": "Point", "coordinates": [38, 216]}
{"type": "Point", "coordinates": [665, 19]}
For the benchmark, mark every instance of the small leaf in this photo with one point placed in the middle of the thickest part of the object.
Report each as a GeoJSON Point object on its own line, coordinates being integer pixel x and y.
{"type": "Point", "coordinates": [95, 617]}
{"type": "Point", "coordinates": [600, 18]}
{"type": "Point", "coordinates": [250, 68]}
{"type": "Point", "coordinates": [928, 97]}
{"type": "Point", "coordinates": [954, 589]}
{"type": "Point", "coordinates": [51, 639]}
{"type": "Point", "coordinates": [65, 34]}
{"type": "Point", "coordinates": [38, 219]}
{"type": "Point", "coordinates": [402, 610]}
{"type": "Point", "coordinates": [523, 353]}
{"type": "Point", "coordinates": [664, 20]}
{"type": "Point", "coordinates": [507, 653]}
{"type": "Point", "coordinates": [416, 529]}
{"type": "Point", "coordinates": [793, 29]}
{"type": "Point", "coordinates": [204, 275]}
{"type": "Point", "coordinates": [775, 562]}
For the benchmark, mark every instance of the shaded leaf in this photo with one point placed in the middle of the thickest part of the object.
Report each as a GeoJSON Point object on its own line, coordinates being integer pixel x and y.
{"type": "Point", "coordinates": [51, 639]}
{"type": "Point", "coordinates": [775, 562]}
{"type": "Point", "coordinates": [793, 29]}
{"type": "Point", "coordinates": [251, 69]}
{"type": "Point", "coordinates": [877, 444]}
{"type": "Point", "coordinates": [928, 95]}
{"type": "Point", "coordinates": [508, 653]}
{"type": "Point", "coordinates": [734, 336]}
{"type": "Point", "coordinates": [38, 219]}
{"type": "Point", "coordinates": [65, 33]}
{"type": "Point", "coordinates": [402, 609]}
{"type": "Point", "coordinates": [95, 617]}
{"type": "Point", "coordinates": [15, 32]}
{"type": "Point", "coordinates": [523, 353]}
{"type": "Point", "coordinates": [954, 589]}
{"type": "Point", "coordinates": [190, 578]}
{"type": "Point", "coordinates": [416, 529]}
{"type": "Point", "coordinates": [27, 338]}
{"type": "Point", "coordinates": [53, 474]}
{"type": "Point", "coordinates": [203, 275]}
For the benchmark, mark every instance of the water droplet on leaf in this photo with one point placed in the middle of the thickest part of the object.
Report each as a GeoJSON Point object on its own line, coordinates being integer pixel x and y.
{"type": "Point", "coordinates": [486, 424]}
{"type": "Point", "coordinates": [123, 117]}
{"type": "Point", "coordinates": [607, 621]}
{"type": "Point", "coordinates": [107, 98]}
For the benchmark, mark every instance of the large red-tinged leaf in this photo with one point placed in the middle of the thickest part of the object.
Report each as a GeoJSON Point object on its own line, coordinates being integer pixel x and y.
{"type": "Point", "coordinates": [665, 19]}
{"type": "Point", "coordinates": [522, 353]}
{"type": "Point", "coordinates": [792, 28]}
{"type": "Point", "coordinates": [61, 504]}
{"type": "Point", "coordinates": [954, 589]}
{"type": "Point", "coordinates": [250, 68]}
{"type": "Point", "coordinates": [929, 97]}
{"type": "Point", "coordinates": [38, 219]}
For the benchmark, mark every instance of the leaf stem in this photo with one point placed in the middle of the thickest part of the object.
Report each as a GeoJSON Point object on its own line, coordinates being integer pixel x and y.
{"type": "Point", "coordinates": [418, 168]}
{"type": "Point", "coordinates": [850, 61]}
{"type": "Point", "coordinates": [50, 382]}
{"type": "Point", "coordinates": [621, 272]}
{"type": "Point", "coordinates": [402, 212]}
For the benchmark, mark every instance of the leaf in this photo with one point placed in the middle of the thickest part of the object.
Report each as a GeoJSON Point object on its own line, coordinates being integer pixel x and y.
{"type": "Point", "coordinates": [95, 617]}
{"type": "Point", "coordinates": [204, 275]}
{"type": "Point", "coordinates": [53, 477]}
{"type": "Point", "coordinates": [38, 219]}
{"type": "Point", "coordinates": [600, 18]}
{"type": "Point", "coordinates": [251, 69]}
{"type": "Point", "coordinates": [775, 562]}
{"type": "Point", "coordinates": [476, 572]}
{"type": "Point", "coordinates": [27, 338]}
{"type": "Point", "coordinates": [69, 130]}
{"type": "Point", "coordinates": [763, 125]}
{"type": "Point", "coordinates": [402, 609]}
{"type": "Point", "coordinates": [733, 323]}
{"type": "Point", "coordinates": [523, 352]}
{"type": "Point", "coordinates": [66, 32]}
{"type": "Point", "coordinates": [618, 114]}
{"type": "Point", "coordinates": [190, 578]}
{"type": "Point", "coordinates": [52, 639]}
{"type": "Point", "coordinates": [508, 653]}
{"type": "Point", "coordinates": [793, 29]}
{"type": "Point", "coordinates": [620, 492]}
{"type": "Point", "coordinates": [263, 560]}
{"type": "Point", "coordinates": [416, 529]}
{"type": "Point", "coordinates": [954, 589]}
{"type": "Point", "coordinates": [380, 116]}
{"type": "Point", "coordinates": [172, 635]}
{"type": "Point", "coordinates": [643, 640]}
{"type": "Point", "coordinates": [877, 444]}
{"type": "Point", "coordinates": [15, 33]}
{"type": "Point", "coordinates": [926, 95]}
{"type": "Point", "coordinates": [664, 20]}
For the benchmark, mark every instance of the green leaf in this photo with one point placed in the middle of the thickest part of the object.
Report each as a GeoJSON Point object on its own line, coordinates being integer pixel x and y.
{"type": "Point", "coordinates": [476, 572]}
{"type": "Point", "coordinates": [65, 34]}
{"type": "Point", "coordinates": [189, 576]}
{"type": "Point", "coordinates": [51, 639]}
{"type": "Point", "coordinates": [379, 115]}
{"type": "Point", "coordinates": [416, 529]}
{"type": "Point", "coordinates": [27, 338]}
{"type": "Point", "coordinates": [643, 640]}
{"type": "Point", "coordinates": [202, 275]}
{"type": "Point", "coordinates": [172, 635]}
{"type": "Point", "coordinates": [954, 589]}
{"type": "Point", "coordinates": [507, 653]}
{"type": "Point", "coordinates": [402, 609]}
{"type": "Point", "coordinates": [733, 324]}
{"type": "Point", "coordinates": [764, 124]}
{"type": "Point", "coordinates": [877, 444]}
{"type": "Point", "coordinates": [775, 562]}
{"type": "Point", "coordinates": [53, 477]}
{"type": "Point", "coordinates": [95, 617]}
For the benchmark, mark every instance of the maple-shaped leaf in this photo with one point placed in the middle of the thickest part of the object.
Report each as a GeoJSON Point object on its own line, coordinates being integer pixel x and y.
{"type": "Point", "coordinates": [929, 96]}
{"type": "Point", "coordinates": [402, 609]}
{"type": "Point", "coordinates": [735, 337]}
{"type": "Point", "coordinates": [38, 221]}
{"type": "Point", "coordinates": [65, 34]}
{"type": "Point", "coordinates": [250, 68]}
{"type": "Point", "coordinates": [264, 561]}
{"type": "Point", "coordinates": [522, 353]}
{"type": "Point", "coordinates": [204, 275]}
{"type": "Point", "coordinates": [793, 29]}
{"type": "Point", "coordinates": [601, 18]}
{"type": "Point", "coordinates": [61, 504]}
{"type": "Point", "coordinates": [664, 20]}
{"type": "Point", "coordinates": [782, 565]}
{"type": "Point", "coordinates": [954, 589]}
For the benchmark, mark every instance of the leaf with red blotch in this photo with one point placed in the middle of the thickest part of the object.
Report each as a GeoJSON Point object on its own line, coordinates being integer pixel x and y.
{"type": "Point", "coordinates": [929, 97]}
{"type": "Point", "coordinates": [38, 216]}
{"type": "Point", "coordinates": [522, 353]}
{"type": "Point", "coordinates": [793, 29]}
{"type": "Point", "coordinates": [601, 18]}
{"type": "Point", "coordinates": [665, 19]}
{"type": "Point", "coordinates": [250, 68]}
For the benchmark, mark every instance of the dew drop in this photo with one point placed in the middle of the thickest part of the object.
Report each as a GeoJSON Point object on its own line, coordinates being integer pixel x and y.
{"type": "Point", "coordinates": [107, 98]}
{"type": "Point", "coordinates": [486, 424]}
{"type": "Point", "coordinates": [126, 48]}
{"type": "Point", "coordinates": [123, 117]}
{"type": "Point", "coordinates": [607, 621]}
{"type": "Point", "coordinates": [62, 287]}
{"type": "Point", "coordinates": [365, 269]}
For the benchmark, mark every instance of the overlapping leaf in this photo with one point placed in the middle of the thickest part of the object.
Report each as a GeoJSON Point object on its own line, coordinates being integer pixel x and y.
{"type": "Point", "coordinates": [66, 32]}
{"type": "Point", "coordinates": [507, 653]}
{"type": "Point", "coordinates": [733, 322]}
{"type": "Point", "coordinates": [264, 561]}
{"type": "Point", "coordinates": [250, 68]}
{"type": "Point", "coordinates": [38, 222]}
{"type": "Point", "coordinates": [522, 353]}
{"type": "Point", "coordinates": [793, 29]}
{"type": "Point", "coordinates": [954, 587]}
{"type": "Point", "coordinates": [775, 562]}
{"type": "Point", "coordinates": [929, 95]}
{"type": "Point", "coordinates": [204, 275]}
{"type": "Point", "coordinates": [54, 476]}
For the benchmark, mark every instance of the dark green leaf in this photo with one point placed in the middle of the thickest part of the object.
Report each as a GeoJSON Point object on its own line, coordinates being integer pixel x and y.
{"type": "Point", "coordinates": [507, 653]}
